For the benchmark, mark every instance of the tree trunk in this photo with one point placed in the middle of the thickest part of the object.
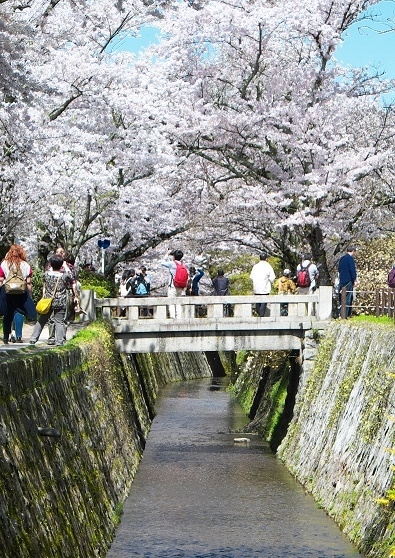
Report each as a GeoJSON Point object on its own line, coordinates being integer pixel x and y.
{"type": "Point", "coordinates": [316, 241]}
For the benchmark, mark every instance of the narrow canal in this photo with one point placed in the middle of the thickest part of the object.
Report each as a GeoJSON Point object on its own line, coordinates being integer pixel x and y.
{"type": "Point", "coordinates": [198, 494]}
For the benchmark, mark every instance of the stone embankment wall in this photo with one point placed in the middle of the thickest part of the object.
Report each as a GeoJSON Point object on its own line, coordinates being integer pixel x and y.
{"type": "Point", "coordinates": [73, 424]}
{"type": "Point", "coordinates": [340, 437]}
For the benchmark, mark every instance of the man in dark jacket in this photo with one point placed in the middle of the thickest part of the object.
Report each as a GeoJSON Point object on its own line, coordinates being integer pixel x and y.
{"type": "Point", "coordinates": [221, 288]}
{"type": "Point", "coordinates": [348, 277]}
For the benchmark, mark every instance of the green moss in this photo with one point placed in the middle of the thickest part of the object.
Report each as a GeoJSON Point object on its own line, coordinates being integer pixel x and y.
{"type": "Point", "coordinates": [117, 514]}
{"type": "Point", "coordinates": [353, 370]}
{"type": "Point", "coordinates": [246, 399]}
{"type": "Point", "coordinates": [241, 357]}
{"type": "Point", "coordinates": [277, 396]}
{"type": "Point", "coordinates": [320, 369]}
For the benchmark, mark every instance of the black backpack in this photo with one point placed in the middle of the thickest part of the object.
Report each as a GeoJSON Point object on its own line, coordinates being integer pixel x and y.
{"type": "Point", "coordinates": [131, 287]}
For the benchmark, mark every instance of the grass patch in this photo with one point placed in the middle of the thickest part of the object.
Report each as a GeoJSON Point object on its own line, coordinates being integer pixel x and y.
{"type": "Point", "coordinates": [385, 320]}
{"type": "Point", "coordinates": [99, 329]}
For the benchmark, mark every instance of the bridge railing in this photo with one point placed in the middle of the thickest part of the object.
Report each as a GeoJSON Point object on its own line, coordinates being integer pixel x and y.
{"type": "Point", "coordinates": [317, 306]}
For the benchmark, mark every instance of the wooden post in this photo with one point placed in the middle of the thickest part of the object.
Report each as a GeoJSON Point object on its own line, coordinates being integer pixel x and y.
{"type": "Point", "coordinates": [343, 298]}
{"type": "Point", "coordinates": [377, 313]}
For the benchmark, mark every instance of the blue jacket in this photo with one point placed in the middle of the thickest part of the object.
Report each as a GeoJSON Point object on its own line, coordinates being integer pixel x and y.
{"type": "Point", "coordinates": [195, 281]}
{"type": "Point", "coordinates": [347, 270]}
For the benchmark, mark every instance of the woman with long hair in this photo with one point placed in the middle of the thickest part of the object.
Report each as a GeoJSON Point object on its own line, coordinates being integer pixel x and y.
{"type": "Point", "coordinates": [15, 294]}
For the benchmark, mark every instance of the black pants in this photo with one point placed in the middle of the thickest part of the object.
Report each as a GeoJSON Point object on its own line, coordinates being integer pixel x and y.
{"type": "Point", "coordinates": [261, 308]}
{"type": "Point", "coordinates": [349, 297]}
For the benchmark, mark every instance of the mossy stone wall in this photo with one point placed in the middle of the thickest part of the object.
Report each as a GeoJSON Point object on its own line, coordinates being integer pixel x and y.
{"type": "Point", "coordinates": [330, 415]}
{"type": "Point", "coordinates": [61, 494]}
{"type": "Point", "coordinates": [340, 441]}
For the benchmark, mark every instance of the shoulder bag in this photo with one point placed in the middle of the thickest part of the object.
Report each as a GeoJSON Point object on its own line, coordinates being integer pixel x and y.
{"type": "Point", "coordinates": [44, 304]}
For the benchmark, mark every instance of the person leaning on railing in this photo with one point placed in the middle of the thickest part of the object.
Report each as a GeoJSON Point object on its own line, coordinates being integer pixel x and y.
{"type": "Point", "coordinates": [348, 277]}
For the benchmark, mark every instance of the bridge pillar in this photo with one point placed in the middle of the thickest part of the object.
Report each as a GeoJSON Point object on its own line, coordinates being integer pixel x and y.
{"type": "Point", "coordinates": [325, 303]}
{"type": "Point", "coordinates": [160, 312]}
{"type": "Point", "coordinates": [87, 303]}
{"type": "Point", "coordinates": [215, 311]}
{"type": "Point", "coordinates": [242, 310]}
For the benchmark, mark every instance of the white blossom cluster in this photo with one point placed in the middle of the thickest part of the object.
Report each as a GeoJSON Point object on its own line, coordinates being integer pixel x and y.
{"type": "Point", "coordinates": [237, 128]}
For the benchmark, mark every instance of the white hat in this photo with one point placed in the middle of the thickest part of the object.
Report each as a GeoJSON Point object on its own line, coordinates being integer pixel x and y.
{"type": "Point", "coordinates": [287, 271]}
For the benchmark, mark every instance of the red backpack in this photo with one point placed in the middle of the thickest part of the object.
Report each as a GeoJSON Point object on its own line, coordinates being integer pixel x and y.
{"type": "Point", "coordinates": [303, 277]}
{"type": "Point", "coordinates": [181, 277]}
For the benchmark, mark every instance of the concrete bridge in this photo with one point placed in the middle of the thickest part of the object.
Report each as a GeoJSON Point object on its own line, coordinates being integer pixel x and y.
{"type": "Point", "coordinates": [202, 323]}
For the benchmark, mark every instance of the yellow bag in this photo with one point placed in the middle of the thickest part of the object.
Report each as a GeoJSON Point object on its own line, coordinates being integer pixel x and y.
{"type": "Point", "coordinates": [44, 305]}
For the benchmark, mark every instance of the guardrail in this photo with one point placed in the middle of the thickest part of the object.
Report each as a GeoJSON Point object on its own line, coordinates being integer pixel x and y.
{"type": "Point", "coordinates": [317, 306]}
{"type": "Point", "coordinates": [379, 302]}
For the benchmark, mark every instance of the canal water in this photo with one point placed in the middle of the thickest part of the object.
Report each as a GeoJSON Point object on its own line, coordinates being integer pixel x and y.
{"type": "Point", "coordinates": [198, 494]}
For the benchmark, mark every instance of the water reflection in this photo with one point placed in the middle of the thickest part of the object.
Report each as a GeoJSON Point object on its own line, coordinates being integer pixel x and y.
{"type": "Point", "coordinates": [217, 384]}
{"type": "Point", "coordinates": [197, 494]}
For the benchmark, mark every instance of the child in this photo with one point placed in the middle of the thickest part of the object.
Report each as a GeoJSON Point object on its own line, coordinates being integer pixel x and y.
{"type": "Point", "coordinates": [285, 285]}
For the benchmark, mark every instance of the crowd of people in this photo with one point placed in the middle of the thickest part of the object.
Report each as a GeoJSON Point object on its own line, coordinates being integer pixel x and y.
{"type": "Point", "coordinates": [263, 279]}
{"type": "Point", "coordinates": [60, 283]}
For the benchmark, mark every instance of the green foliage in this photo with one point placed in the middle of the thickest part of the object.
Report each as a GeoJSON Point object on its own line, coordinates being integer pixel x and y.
{"type": "Point", "coordinates": [37, 284]}
{"type": "Point", "coordinates": [99, 329]}
{"type": "Point", "coordinates": [276, 264]}
{"type": "Point", "coordinates": [240, 284]}
{"type": "Point", "coordinates": [238, 269]}
{"type": "Point", "coordinates": [103, 287]}
{"type": "Point", "coordinates": [241, 357]}
{"type": "Point", "coordinates": [230, 263]}
{"type": "Point", "coordinates": [277, 396]}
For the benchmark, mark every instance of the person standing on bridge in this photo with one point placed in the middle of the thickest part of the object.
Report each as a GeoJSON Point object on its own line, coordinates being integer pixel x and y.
{"type": "Point", "coordinates": [193, 281]}
{"type": "Point", "coordinates": [348, 277]}
{"type": "Point", "coordinates": [306, 280]}
{"type": "Point", "coordinates": [178, 279]}
{"type": "Point", "coordinates": [221, 288]}
{"type": "Point", "coordinates": [262, 276]}
{"type": "Point", "coordinates": [285, 285]}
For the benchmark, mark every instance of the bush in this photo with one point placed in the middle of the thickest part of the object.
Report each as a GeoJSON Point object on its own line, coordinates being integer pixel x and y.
{"type": "Point", "coordinates": [37, 284]}
{"type": "Point", "coordinates": [90, 280]}
{"type": "Point", "coordinates": [374, 260]}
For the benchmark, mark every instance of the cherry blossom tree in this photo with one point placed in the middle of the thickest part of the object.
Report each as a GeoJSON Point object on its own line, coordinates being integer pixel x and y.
{"type": "Point", "coordinates": [291, 142]}
{"type": "Point", "coordinates": [81, 135]}
{"type": "Point", "coordinates": [238, 129]}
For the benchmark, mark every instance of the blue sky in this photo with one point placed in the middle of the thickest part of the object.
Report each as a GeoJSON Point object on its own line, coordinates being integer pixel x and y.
{"type": "Point", "coordinates": [367, 44]}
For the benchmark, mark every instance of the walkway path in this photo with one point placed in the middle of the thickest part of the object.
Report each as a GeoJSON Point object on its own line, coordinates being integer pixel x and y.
{"type": "Point", "coordinates": [42, 342]}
